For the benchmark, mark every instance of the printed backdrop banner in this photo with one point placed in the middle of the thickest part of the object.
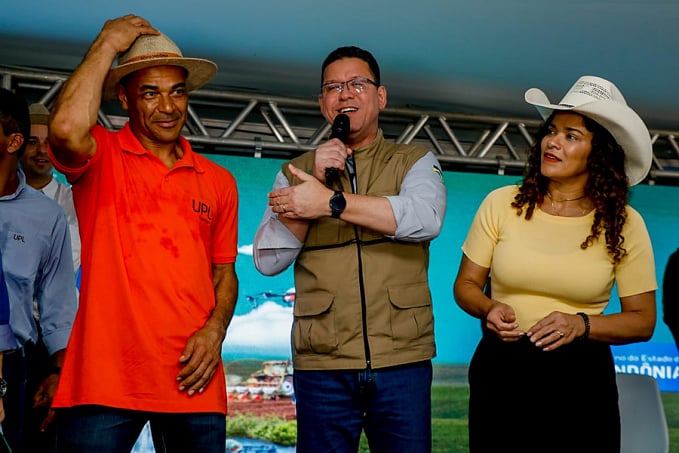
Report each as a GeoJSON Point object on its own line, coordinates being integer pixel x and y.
{"type": "Point", "coordinates": [656, 359]}
{"type": "Point", "coordinates": [261, 325]}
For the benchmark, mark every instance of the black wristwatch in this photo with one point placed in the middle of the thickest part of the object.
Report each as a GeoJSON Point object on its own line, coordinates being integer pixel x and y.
{"type": "Point", "coordinates": [3, 387]}
{"type": "Point", "coordinates": [337, 203]}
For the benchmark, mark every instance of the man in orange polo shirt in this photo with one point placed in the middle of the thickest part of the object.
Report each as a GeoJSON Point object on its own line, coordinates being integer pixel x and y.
{"type": "Point", "coordinates": [158, 225]}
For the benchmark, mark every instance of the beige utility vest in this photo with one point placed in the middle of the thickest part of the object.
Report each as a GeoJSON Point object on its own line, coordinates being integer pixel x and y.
{"type": "Point", "coordinates": [339, 316]}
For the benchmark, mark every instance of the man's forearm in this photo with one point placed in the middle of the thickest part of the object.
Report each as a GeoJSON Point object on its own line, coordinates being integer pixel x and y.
{"type": "Point", "coordinates": [225, 284]}
{"type": "Point", "coordinates": [77, 107]}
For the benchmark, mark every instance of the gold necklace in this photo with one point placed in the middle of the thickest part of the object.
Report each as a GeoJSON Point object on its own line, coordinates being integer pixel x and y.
{"type": "Point", "coordinates": [552, 200]}
{"type": "Point", "coordinates": [565, 199]}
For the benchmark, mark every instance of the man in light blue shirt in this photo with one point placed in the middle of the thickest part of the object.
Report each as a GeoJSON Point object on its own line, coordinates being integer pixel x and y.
{"type": "Point", "coordinates": [37, 263]}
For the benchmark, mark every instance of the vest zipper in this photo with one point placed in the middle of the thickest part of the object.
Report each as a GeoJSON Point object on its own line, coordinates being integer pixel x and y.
{"type": "Point", "coordinates": [351, 172]}
{"type": "Point", "coordinates": [364, 310]}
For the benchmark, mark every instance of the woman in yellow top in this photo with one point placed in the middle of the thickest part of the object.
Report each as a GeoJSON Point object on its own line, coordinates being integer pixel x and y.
{"type": "Point", "coordinates": [542, 377]}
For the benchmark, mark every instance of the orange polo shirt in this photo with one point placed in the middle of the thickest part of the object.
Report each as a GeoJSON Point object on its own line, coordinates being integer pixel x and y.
{"type": "Point", "coordinates": [149, 238]}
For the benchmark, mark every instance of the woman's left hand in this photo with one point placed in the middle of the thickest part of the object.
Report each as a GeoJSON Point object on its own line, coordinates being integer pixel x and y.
{"type": "Point", "coordinates": [555, 330]}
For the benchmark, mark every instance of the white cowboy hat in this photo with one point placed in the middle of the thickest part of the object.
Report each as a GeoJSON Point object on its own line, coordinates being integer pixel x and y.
{"type": "Point", "coordinates": [601, 101]}
{"type": "Point", "coordinates": [157, 50]}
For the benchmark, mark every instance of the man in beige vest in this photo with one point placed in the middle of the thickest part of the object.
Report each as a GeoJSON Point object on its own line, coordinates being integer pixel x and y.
{"type": "Point", "coordinates": [363, 330]}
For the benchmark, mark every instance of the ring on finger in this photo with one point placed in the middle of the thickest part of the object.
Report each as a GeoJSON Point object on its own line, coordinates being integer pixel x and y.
{"type": "Point", "coordinates": [560, 333]}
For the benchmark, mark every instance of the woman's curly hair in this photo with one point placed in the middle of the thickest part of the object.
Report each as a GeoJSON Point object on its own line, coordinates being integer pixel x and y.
{"type": "Point", "coordinates": [606, 186]}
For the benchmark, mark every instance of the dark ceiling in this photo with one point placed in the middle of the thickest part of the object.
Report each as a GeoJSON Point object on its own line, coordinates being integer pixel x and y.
{"type": "Point", "coordinates": [463, 56]}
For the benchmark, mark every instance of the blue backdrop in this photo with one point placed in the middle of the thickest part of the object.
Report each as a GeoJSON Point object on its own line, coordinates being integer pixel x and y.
{"type": "Point", "coordinates": [261, 327]}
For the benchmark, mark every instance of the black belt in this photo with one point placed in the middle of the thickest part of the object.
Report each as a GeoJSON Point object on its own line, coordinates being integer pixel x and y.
{"type": "Point", "coordinates": [18, 351]}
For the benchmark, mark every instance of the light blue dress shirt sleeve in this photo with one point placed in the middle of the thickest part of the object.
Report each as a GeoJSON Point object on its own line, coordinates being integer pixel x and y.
{"type": "Point", "coordinates": [56, 291]}
{"type": "Point", "coordinates": [420, 206]}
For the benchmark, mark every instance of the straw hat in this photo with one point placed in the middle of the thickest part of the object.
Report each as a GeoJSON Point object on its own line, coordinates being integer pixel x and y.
{"type": "Point", "coordinates": [157, 50]}
{"type": "Point", "coordinates": [39, 114]}
{"type": "Point", "coordinates": [601, 101]}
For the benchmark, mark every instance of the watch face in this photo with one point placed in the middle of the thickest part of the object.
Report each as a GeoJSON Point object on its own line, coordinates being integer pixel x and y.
{"type": "Point", "coordinates": [3, 387]}
{"type": "Point", "coordinates": [337, 204]}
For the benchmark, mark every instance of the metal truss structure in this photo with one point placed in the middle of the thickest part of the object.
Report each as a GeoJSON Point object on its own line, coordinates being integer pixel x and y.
{"type": "Point", "coordinates": [261, 126]}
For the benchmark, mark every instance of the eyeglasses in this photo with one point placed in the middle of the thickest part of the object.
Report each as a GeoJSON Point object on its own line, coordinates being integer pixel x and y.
{"type": "Point", "coordinates": [357, 85]}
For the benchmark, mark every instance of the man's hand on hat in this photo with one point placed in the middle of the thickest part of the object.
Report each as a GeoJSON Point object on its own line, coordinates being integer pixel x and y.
{"type": "Point", "coordinates": [123, 31]}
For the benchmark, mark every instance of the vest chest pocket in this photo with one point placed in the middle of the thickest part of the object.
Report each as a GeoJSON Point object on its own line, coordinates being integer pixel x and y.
{"type": "Point", "coordinates": [411, 315]}
{"type": "Point", "coordinates": [314, 325]}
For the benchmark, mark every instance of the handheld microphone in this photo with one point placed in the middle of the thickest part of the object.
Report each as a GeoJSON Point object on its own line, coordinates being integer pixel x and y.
{"type": "Point", "coordinates": [340, 129]}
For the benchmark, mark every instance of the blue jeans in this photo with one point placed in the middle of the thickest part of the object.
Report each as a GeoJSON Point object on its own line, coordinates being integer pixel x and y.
{"type": "Point", "coordinates": [101, 429]}
{"type": "Point", "coordinates": [392, 405]}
